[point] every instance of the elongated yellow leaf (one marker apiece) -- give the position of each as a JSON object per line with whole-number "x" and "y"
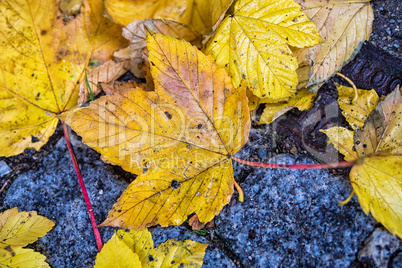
{"x": 377, "y": 181}
{"x": 382, "y": 131}
{"x": 253, "y": 44}
{"x": 18, "y": 257}
{"x": 173, "y": 253}
{"x": 140, "y": 242}
{"x": 23, "y": 228}
{"x": 179, "y": 138}
{"x": 356, "y": 114}
{"x": 344, "y": 26}
{"x": 201, "y": 15}
{"x": 342, "y": 139}
{"x": 41, "y": 65}
{"x": 115, "y": 253}
{"x": 303, "y": 100}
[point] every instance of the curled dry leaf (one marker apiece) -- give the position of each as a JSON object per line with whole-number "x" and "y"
{"x": 356, "y": 114}
{"x": 105, "y": 73}
{"x": 179, "y": 138}
{"x": 42, "y": 64}
{"x": 253, "y": 44}
{"x": 344, "y": 26}
{"x": 303, "y": 100}
{"x": 110, "y": 88}
{"x": 137, "y": 31}
{"x": 201, "y": 15}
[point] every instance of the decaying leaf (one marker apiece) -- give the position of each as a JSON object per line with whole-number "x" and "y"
{"x": 303, "y": 100}
{"x": 201, "y": 15}
{"x": 17, "y": 230}
{"x": 138, "y": 245}
{"x": 377, "y": 181}
{"x": 136, "y": 32}
{"x": 342, "y": 139}
{"x": 179, "y": 138}
{"x": 42, "y": 64}
{"x": 253, "y": 44}
{"x": 356, "y": 114}
{"x": 105, "y": 73}
{"x": 110, "y": 88}
{"x": 344, "y": 26}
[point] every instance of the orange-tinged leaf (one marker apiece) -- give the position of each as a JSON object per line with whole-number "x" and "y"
{"x": 23, "y": 228}
{"x": 42, "y": 63}
{"x": 115, "y": 253}
{"x": 136, "y": 32}
{"x": 342, "y": 139}
{"x": 18, "y": 257}
{"x": 253, "y": 44}
{"x": 377, "y": 181}
{"x": 201, "y": 15}
{"x": 344, "y": 26}
{"x": 303, "y": 100}
{"x": 179, "y": 138}
{"x": 357, "y": 113}
{"x": 382, "y": 131}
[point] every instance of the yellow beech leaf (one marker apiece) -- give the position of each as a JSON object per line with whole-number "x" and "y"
{"x": 173, "y": 253}
{"x": 136, "y": 32}
{"x": 42, "y": 63}
{"x": 201, "y": 15}
{"x": 344, "y": 26}
{"x": 356, "y": 114}
{"x": 382, "y": 131}
{"x": 115, "y": 253}
{"x": 303, "y": 100}
{"x": 342, "y": 140}
{"x": 23, "y": 228}
{"x": 179, "y": 138}
{"x": 377, "y": 181}
{"x": 253, "y": 44}
{"x": 140, "y": 242}
{"x": 21, "y": 258}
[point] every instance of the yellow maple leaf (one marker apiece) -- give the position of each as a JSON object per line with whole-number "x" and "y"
{"x": 172, "y": 253}
{"x": 344, "y": 26}
{"x": 42, "y": 63}
{"x": 179, "y": 138}
{"x": 356, "y": 113}
{"x": 201, "y": 15}
{"x": 17, "y": 230}
{"x": 303, "y": 100}
{"x": 253, "y": 44}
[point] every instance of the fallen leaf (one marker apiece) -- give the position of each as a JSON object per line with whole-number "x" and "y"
{"x": 382, "y": 131}
{"x": 21, "y": 258}
{"x": 140, "y": 242}
{"x": 303, "y": 100}
{"x": 136, "y": 32}
{"x": 201, "y": 15}
{"x": 23, "y": 228}
{"x": 70, "y": 7}
{"x": 115, "y": 253}
{"x": 342, "y": 140}
{"x": 253, "y": 44}
{"x": 42, "y": 64}
{"x": 377, "y": 181}
{"x": 110, "y": 88}
{"x": 179, "y": 138}
{"x": 356, "y": 114}
{"x": 344, "y": 26}
{"x": 195, "y": 223}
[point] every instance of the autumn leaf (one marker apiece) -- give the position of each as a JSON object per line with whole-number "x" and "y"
{"x": 179, "y": 139}
{"x": 133, "y": 244}
{"x": 342, "y": 140}
{"x": 42, "y": 63}
{"x": 136, "y": 32}
{"x": 377, "y": 176}
{"x": 201, "y": 15}
{"x": 356, "y": 113}
{"x": 303, "y": 100}
{"x": 253, "y": 44}
{"x": 17, "y": 230}
{"x": 344, "y": 26}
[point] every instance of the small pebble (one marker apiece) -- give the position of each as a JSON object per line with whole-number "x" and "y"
{"x": 4, "y": 169}
{"x": 100, "y": 192}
